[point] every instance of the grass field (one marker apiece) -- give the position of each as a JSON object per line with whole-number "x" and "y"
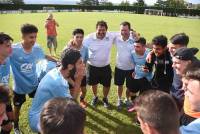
{"x": 100, "y": 120}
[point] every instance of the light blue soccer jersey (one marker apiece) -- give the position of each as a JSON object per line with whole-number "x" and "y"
{"x": 24, "y": 68}
{"x": 192, "y": 128}
{"x": 52, "y": 85}
{"x": 139, "y": 62}
{"x": 43, "y": 67}
{"x": 5, "y": 72}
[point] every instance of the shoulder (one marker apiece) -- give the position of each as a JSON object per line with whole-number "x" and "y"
{"x": 37, "y": 46}
{"x": 192, "y": 128}
{"x": 17, "y": 45}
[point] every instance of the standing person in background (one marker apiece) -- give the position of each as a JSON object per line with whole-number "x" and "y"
{"x": 26, "y": 54}
{"x": 161, "y": 59}
{"x": 51, "y": 25}
{"x": 76, "y": 43}
{"x": 124, "y": 65}
{"x": 141, "y": 80}
{"x": 98, "y": 45}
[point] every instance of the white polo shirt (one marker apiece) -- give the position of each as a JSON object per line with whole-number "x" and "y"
{"x": 99, "y": 49}
{"x": 124, "y": 48}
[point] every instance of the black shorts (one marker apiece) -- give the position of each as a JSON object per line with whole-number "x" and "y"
{"x": 83, "y": 83}
{"x": 102, "y": 75}
{"x": 139, "y": 85}
{"x": 122, "y": 75}
{"x": 19, "y": 99}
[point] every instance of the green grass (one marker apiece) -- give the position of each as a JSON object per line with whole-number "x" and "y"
{"x": 100, "y": 120}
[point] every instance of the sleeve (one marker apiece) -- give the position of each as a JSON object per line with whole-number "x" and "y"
{"x": 84, "y": 53}
{"x": 62, "y": 93}
{"x": 132, "y": 57}
{"x": 150, "y": 65}
{"x": 40, "y": 53}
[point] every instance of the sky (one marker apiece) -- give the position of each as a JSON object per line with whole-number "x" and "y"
{"x": 148, "y": 2}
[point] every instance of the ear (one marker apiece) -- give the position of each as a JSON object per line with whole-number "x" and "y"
{"x": 146, "y": 128}
{"x": 149, "y": 129}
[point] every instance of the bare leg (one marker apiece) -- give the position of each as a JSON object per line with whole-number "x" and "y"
{"x": 94, "y": 89}
{"x": 106, "y": 91}
{"x": 120, "y": 91}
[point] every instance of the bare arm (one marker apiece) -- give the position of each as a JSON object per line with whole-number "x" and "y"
{"x": 80, "y": 73}
{"x": 50, "y": 58}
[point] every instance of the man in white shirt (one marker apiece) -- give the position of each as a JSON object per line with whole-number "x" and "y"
{"x": 124, "y": 65}
{"x": 98, "y": 47}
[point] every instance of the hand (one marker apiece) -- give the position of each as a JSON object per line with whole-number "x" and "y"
{"x": 80, "y": 72}
{"x": 148, "y": 58}
{"x": 145, "y": 69}
{"x": 133, "y": 75}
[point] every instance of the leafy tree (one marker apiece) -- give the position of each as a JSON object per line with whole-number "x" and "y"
{"x": 140, "y": 3}
{"x": 124, "y": 3}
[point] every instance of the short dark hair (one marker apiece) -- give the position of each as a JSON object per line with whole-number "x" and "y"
{"x": 28, "y": 28}
{"x": 158, "y": 109}
{"x": 102, "y": 24}
{"x": 141, "y": 40}
{"x": 126, "y": 23}
{"x": 193, "y": 71}
{"x": 4, "y": 94}
{"x": 180, "y": 39}
{"x": 69, "y": 56}
{"x": 4, "y": 37}
{"x": 78, "y": 31}
{"x": 160, "y": 40}
{"x": 62, "y": 116}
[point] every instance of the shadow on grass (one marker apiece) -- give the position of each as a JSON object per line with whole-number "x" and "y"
{"x": 112, "y": 107}
{"x": 119, "y": 127}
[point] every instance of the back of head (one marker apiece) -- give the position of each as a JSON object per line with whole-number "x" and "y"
{"x": 69, "y": 56}
{"x": 4, "y": 94}
{"x": 28, "y": 29}
{"x": 160, "y": 40}
{"x": 62, "y": 116}
{"x": 180, "y": 39}
{"x": 4, "y": 37}
{"x": 158, "y": 110}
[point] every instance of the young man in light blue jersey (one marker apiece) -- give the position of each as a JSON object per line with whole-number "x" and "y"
{"x": 55, "y": 84}
{"x": 23, "y": 61}
{"x": 5, "y": 52}
{"x": 43, "y": 67}
{"x": 141, "y": 79}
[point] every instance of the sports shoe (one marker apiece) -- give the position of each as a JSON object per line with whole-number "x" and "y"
{"x": 94, "y": 101}
{"x": 105, "y": 102}
{"x": 119, "y": 104}
{"x": 17, "y": 131}
{"x": 128, "y": 103}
